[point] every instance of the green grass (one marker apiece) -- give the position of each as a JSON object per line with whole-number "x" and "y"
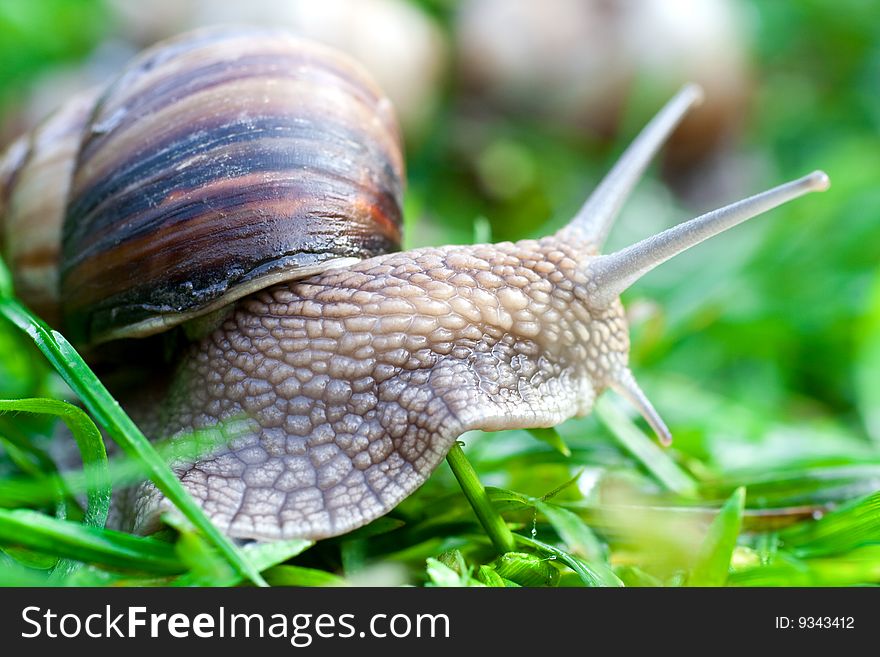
{"x": 568, "y": 535}
{"x": 761, "y": 350}
{"x": 107, "y": 411}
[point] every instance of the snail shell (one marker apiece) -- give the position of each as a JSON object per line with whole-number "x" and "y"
{"x": 32, "y": 210}
{"x": 217, "y": 164}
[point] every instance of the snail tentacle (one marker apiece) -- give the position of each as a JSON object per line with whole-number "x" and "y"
{"x": 614, "y": 273}
{"x": 594, "y": 220}
{"x": 625, "y": 385}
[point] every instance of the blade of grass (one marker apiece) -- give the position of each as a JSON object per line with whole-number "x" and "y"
{"x": 123, "y": 471}
{"x": 502, "y": 496}
{"x": 636, "y": 577}
{"x": 299, "y": 576}
{"x": 12, "y": 433}
{"x": 644, "y": 449}
{"x": 492, "y": 522}
{"x": 713, "y": 560}
{"x": 527, "y": 569}
{"x": 852, "y": 525}
{"x": 783, "y": 570}
{"x": 858, "y": 567}
{"x": 31, "y": 559}
{"x": 809, "y": 482}
{"x": 204, "y": 565}
{"x": 552, "y": 438}
{"x": 91, "y": 448}
{"x": 490, "y": 577}
{"x": 6, "y": 291}
{"x": 12, "y": 574}
{"x": 563, "y": 486}
{"x": 577, "y": 536}
{"x": 591, "y": 574}
{"x": 267, "y": 555}
{"x": 263, "y": 556}
{"x": 441, "y": 575}
{"x": 121, "y": 428}
{"x": 36, "y": 531}
{"x": 867, "y": 364}
{"x": 44, "y": 481}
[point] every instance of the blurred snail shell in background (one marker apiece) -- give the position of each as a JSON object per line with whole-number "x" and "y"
{"x": 398, "y": 43}
{"x": 578, "y": 61}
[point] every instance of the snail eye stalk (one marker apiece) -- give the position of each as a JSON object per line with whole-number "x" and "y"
{"x": 615, "y": 272}
{"x": 594, "y": 220}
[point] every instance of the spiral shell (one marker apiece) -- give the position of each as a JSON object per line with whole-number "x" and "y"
{"x": 219, "y": 163}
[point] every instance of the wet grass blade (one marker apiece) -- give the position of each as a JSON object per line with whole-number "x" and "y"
{"x": 525, "y": 569}
{"x": 25, "y": 528}
{"x": 490, "y": 577}
{"x": 591, "y": 574}
{"x": 122, "y": 429}
{"x": 713, "y": 559}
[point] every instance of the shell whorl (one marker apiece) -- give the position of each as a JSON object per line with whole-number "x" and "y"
{"x": 216, "y": 164}
{"x": 35, "y": 178}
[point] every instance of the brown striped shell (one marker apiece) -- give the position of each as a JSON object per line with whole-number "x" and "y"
{"x": 217, "y": 164}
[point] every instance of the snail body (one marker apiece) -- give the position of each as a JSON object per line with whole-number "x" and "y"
{"x": 354, "y": 367}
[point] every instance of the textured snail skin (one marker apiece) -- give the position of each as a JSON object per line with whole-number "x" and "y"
{"x": 358, "y": 380}
{"x": 355, "y": 382}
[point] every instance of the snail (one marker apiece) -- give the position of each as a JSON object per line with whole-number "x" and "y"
{"x": 246, "y": 185}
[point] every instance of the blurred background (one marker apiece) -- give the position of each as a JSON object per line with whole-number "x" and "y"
{"x": 761, "y": 348}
